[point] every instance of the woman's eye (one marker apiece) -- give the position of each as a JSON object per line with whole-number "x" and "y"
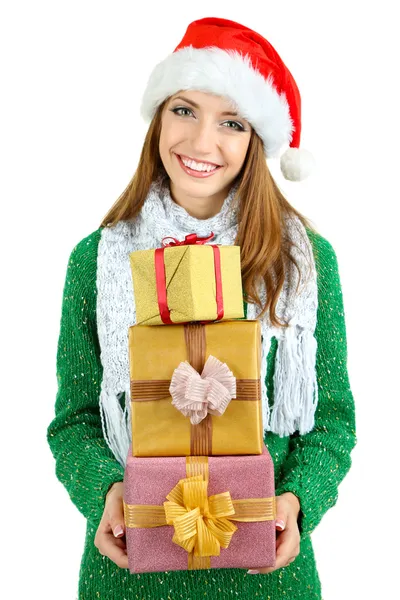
{"x": 175, "y": 110}
{"x": 238, "y": 127}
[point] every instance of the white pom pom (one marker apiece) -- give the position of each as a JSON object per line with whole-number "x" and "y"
{"x": 297, "y": 164}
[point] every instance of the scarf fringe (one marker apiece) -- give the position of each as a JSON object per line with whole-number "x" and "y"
{"x": 116, "y": 423}
{"x": 295, "y": 384}
{"x": 266, "y": 345}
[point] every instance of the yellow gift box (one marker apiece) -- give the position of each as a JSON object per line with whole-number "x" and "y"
{"x": 158, "y": 427}
{"x": 192, "y": 283}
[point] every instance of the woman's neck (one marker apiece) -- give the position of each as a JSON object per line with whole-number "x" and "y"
{"x": 201, "y": 207}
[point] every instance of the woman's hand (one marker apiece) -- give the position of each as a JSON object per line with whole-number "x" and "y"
{"x": 112, "y": 527}
{"x": 288, "y": 539}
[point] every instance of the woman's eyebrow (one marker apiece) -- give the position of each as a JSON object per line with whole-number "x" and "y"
{"x": 233, "y": 114}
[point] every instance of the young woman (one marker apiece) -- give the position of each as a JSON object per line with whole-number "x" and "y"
{"x": 219, "y": 105}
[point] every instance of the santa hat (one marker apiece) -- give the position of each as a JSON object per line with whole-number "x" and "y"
{"x": 228, "y": 59}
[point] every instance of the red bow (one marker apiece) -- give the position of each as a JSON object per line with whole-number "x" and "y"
{"x": 190, "y": 240}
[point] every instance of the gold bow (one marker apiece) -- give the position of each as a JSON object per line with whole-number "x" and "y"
{"x": 199, "y": 521}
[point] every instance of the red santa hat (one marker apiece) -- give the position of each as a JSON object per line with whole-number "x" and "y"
{"x": 228, "y": 59}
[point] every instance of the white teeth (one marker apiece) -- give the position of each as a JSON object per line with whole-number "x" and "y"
{"x": 197, "y": 166}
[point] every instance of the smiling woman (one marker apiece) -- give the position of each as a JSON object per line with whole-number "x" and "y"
{"x": 218, "y": 106}
{"x": 194, "y": 140}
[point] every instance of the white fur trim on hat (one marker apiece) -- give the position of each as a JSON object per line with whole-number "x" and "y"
{"x": 224, "y": 73}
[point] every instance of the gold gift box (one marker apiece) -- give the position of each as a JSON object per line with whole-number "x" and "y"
{"x": 158, "y": 427}
{"x": 190, "y": 283}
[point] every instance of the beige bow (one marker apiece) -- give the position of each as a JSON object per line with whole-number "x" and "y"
{"x": 195, "y": 395}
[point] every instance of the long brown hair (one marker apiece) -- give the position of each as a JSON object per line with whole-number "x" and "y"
{"x": 264, "y": 248}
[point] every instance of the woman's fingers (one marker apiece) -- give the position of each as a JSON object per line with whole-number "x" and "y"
{"x": 109, "y": 538}
{"x": 114, "y": 509}
{"x": 288, "y": 540}
{"x": 115, "y": 549}
{"x": 112, "y": 547}
{"x": 287, "y": 548}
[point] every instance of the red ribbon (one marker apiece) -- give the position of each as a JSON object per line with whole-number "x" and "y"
{"x": 190, "y": 240}
{"x": 161, "y": 285}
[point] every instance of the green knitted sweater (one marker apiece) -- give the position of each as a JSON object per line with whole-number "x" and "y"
{"x": 311, "y": 465}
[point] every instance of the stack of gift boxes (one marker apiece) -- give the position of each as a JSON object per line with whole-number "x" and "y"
{"x": 199, "y": 482}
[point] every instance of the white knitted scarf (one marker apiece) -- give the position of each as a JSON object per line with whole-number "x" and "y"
{"x": 294, "y": 380}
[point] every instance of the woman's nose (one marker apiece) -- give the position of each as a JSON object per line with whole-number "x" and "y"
{"x": 204, "y": 138}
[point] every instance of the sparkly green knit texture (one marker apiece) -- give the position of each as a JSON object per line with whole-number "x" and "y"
{"x": 311, "y": 465}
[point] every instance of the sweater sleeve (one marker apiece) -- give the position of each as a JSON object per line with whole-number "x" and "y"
{"x": 319, "y": 460}
{"x": 83, "y": 462}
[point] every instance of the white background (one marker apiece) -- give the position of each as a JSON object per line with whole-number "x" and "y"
{"x": 72, "y": 76}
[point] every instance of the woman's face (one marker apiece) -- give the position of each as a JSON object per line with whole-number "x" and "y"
{"x": 194, "y": 126}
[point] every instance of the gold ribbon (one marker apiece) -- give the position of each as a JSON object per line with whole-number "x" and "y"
{"x": 202, "y": 524}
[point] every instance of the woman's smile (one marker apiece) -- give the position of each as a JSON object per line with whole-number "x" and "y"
{"x": 200, "y": 171}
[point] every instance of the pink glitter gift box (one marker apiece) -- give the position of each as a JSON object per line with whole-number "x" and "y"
{"x": 244, "y": 513}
